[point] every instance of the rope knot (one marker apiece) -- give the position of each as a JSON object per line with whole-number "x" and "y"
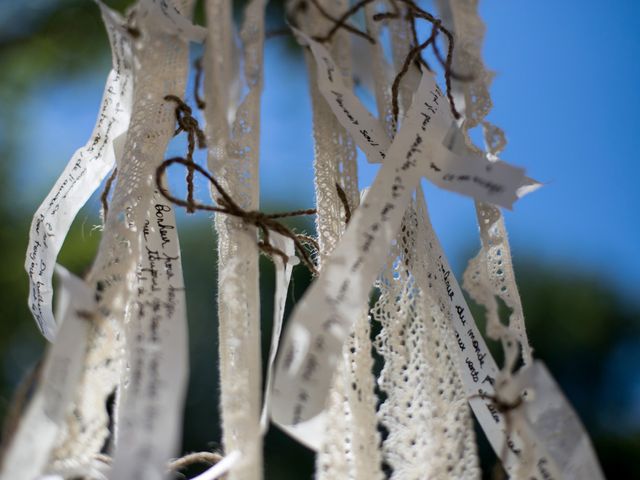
{"x": 225, "y": 204}
{"x": 187, "y": 123}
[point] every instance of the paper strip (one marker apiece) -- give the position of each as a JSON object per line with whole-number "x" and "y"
{"x": 283, "y": 278}
{"x": 311, "y": 433}
{"x": 324, "y": 317}
{"x": 352, "y": 115}
{"x": 490, "y": 274}
{"x": 80, "y": 178}
{"x": 478, "y": 370}
{"x": 556, "y": 423}
{"x": 151, "y": 409}
{"x": 469, "y": 174}
{"x": 38, "y": 430}
{"x": 162, "y": 60}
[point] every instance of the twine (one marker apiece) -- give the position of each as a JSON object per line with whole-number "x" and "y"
{"x": 345, "y": 203}
{"x": 104, "y": 197}
{"x": 264, "y": 222}
{"x": 504, "y": 407}
{"x": 411, "y": 56}
{"x": 342, "y": 23}
{"x": 187, "y": 123}
{"x": 413, "y": 13}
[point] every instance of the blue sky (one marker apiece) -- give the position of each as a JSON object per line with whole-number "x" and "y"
{"x": 566, "y": 93}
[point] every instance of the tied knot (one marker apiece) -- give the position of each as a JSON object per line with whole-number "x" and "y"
{"x": 264, "y": 222}
{"x": 186, "y": 121}
{"x": 195, "y": 136}
{"x": 255, "y": 217}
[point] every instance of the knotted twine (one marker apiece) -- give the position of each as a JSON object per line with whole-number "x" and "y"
{"x": 265, "y": 222}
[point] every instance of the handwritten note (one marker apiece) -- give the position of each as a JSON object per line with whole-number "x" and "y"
{"x": 40, "y": 426}
{"x": 323, "y": 318}
{"x": 476, "y": 366}
{"x": 80, "y": 178}
{"x": 363, "y": 127}
{"x": 150, "y": 417}
{"x": 468, "y": 173}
